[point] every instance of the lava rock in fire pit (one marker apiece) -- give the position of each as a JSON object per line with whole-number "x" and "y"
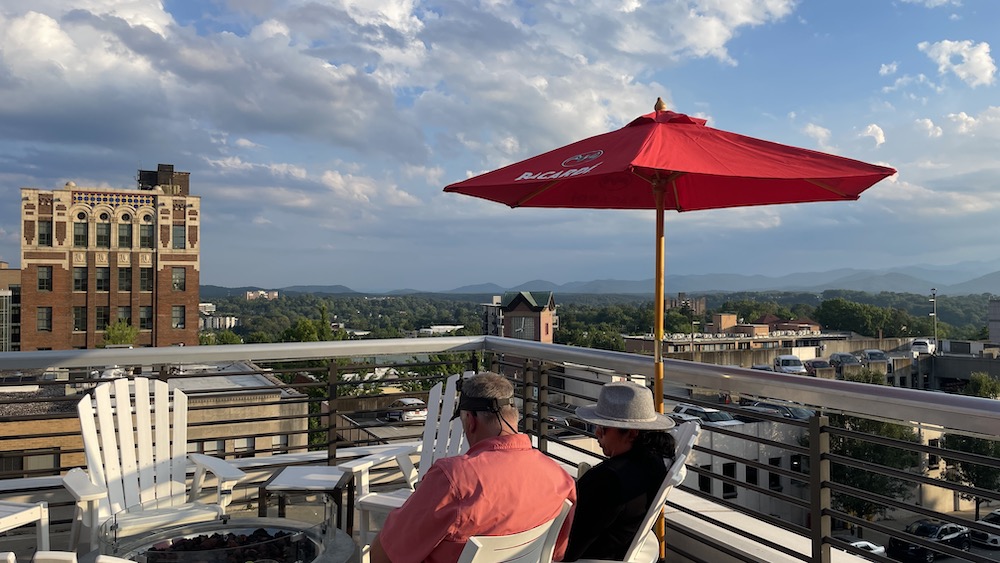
{"x": 260, "y": 545}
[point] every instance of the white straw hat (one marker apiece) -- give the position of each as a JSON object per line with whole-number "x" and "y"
{"x": 625, "y": 405}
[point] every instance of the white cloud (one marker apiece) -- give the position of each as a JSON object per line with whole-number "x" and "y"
{"x": 873, "y": 131}
{"x": 987, "y": 123}
{"x": 969, "y": 61}
{"x": 261, "y": 220}
{"x": 246, "y": 144}
{"x": 820, "y": 134}
{"x": 887, "y": 69}
{"x": 935, "y": 3}
{"x": 926, "y": 125}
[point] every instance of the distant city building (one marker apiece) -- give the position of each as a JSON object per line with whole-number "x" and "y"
{"x": 10, "y": 308}
{"x": 529, "y": 315}
{"x": 993, "y": 320}
{"x": 697, "y": 305}
{"x": 261, "y": 294}
{"x": 93, "y": 256}
{"x": 211, "y": 322}
{"x": 206, "y": 308}
{"x": 435, "y": 330}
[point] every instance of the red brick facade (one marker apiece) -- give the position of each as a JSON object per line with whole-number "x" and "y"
{"x": 123, "y": 213}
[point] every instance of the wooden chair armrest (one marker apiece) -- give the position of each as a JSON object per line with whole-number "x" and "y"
{"x": 78, "y": 483}
{"x": 221, "y": 468}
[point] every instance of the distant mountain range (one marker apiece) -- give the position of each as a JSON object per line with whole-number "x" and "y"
{"x": 967, "y": 278}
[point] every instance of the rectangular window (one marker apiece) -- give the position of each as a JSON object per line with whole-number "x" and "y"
{"x": 103, "y": 279}
{"x": 177, "y": 314}
{"x": 125, "y": 314}
{"x": 44, "y": 319}
{"x": 751, "y": 475}
{"x": 178, "y": 279}
{"x": 146, "y": 236}
{"x": 145, "y": 279}
{"x": 729, "y": 489}
{"x": 124, "y": 279}
{"x": 145, "y": 318}
{"x": 933, "y": 461}
{"x": 45, "y": 232}
{"x": 705, "y": 481}
{"x": 125, "y": 235}
{"x": 774, "y": 479}
{"x": 80, "y": 235}
{"x": 45, "y": 278}
{"x": 177, "y": 237}
{"x": 29, "y": 463}
{"x": 104, "y": 235}
{"x": 103, "y": 317}
{"x": 80, "y": 319}
{"x": 80, "y": 278}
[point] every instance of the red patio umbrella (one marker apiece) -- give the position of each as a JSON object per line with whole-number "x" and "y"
{"x": 666, "y": 160}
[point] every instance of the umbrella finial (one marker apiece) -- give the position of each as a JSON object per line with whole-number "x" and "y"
{"x": 660, "y": 105}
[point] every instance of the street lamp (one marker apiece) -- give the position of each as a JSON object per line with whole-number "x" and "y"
{"x": 934, "y": 314}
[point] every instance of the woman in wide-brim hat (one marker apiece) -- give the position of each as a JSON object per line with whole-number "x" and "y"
{"x": 613, "y": 497}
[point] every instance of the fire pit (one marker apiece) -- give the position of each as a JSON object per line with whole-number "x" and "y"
{"x": 240, "y": 540}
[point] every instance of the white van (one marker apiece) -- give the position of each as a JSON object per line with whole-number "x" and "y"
{"x": 922, "y": 346}
{"x": 788, "y": 363}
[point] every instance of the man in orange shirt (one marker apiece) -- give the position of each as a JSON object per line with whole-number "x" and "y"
{"x": 501, "y": 486}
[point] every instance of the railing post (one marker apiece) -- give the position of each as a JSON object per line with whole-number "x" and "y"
{"x": 530, "y": 420}
{"x": 333, "y": 376}
{"x": 819, "y": 493}
{"x": 474, "y": 363}
{"x": 543, "y": 408}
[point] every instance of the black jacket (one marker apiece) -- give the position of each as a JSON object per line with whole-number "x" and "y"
{"x": 612, "y": 499}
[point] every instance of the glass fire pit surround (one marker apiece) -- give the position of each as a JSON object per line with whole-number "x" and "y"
{"x": 238, "y": 540}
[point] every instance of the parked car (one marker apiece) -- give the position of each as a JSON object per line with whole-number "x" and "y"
{"x": 922, "y": 346}
{"x": 878, "y": 356}
{"x": 789, "y": 363}
{"x": 748, "y": 413}
{"x": 840, "y": 359}
{"x": 407, "y": 409}
{"x": 762, "y": 367}
{"x": 935, "y": 531}
{"x": 815, "y": 364}
{"x": 990, "y": 539}
{"x": 866, "y": 545}
{"x": 788, "y": 411}
{"x": 708, "y": 416}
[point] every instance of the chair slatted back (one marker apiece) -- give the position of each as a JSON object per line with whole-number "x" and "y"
{"x": 443, "y": 437}
{"x": 135, "y": 442}
{"x": 685, "y": 436}
{"x": 532, "y": 546}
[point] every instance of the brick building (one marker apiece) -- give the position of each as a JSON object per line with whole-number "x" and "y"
{"x": 92, "y": 256}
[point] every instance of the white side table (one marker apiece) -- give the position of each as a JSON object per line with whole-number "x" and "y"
{"x": 15, "y": 514}
{"x": 332, "y": 481}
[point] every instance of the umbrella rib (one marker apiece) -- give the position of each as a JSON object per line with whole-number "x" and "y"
{"x": 535, "y": 193}
{"x": 829, "y": 189}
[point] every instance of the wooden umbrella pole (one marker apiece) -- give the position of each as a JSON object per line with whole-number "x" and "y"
{"x": 658, "y": 337}
{"x": 658, "y": 303}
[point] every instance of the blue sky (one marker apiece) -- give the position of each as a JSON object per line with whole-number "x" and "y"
{"x": 320, "y": 134}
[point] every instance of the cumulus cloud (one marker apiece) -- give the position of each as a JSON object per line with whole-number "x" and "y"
{"x": 887, "y": 69}
{"x": 988, "y": 122}
{"x": 969, "y": 61}
{"x": 927, "y": 126}
{"x": 873, "y": 131}
{"x": 820, "y": 134}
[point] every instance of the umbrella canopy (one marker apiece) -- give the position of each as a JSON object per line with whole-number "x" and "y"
{"x": 667, "y": 160}
{"x": 700, "y": 167}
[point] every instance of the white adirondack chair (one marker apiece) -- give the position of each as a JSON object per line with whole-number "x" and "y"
{"x": 135, "y": 441}
{"x": 645, "y": 547}
{"x": 442, "y": 437}
{"x": 533, "y": 546}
